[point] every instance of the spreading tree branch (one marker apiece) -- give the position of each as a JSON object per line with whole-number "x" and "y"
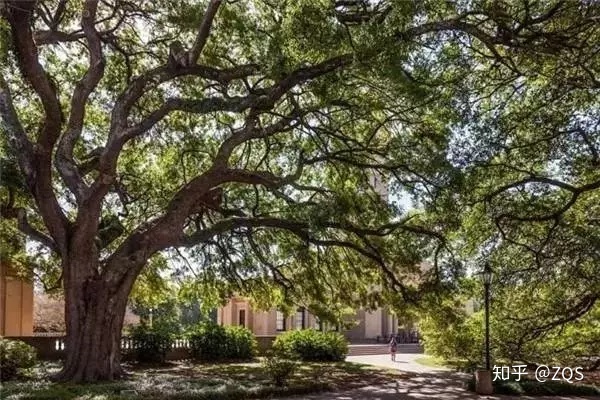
{"x": 64, "y": 157}
{"x": 204, "y": 30}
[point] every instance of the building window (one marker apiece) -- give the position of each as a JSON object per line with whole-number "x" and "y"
{"x": 301, "y": 318}
{"x": 280, "y": 323}
{"x": 242, "y": 318}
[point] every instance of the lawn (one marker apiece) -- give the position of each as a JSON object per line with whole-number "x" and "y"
{"x": 179, "y": 381}
{"x": 430, "y": 361}
{"x": 458, "y": 365}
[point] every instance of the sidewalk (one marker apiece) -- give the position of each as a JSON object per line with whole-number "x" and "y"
{"x": 422, "y": 382}
{"x": 404, "y": 362}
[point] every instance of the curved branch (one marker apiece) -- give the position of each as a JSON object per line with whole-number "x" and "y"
{"x": 19, "y": 14}
{"x": 17, "y": 137}
{"x": 142, "y": 84}
{"x": 33, "y": 233}
{"x": 64, "y": 156}
{"x": 37, "y": 168}
{"x": 24, "y": 226}
{"x": 299, "y": 229}
{"x": 193, "y": 106}
{"x": 575, "y": 190}
{"x": 532, "y": 179}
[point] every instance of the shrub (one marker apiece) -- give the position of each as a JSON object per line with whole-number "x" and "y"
{"x": 15, "y": 356}
{"x": 151, "y": 344}
{"x": 279, "y": 369}
{"x": 207, "y": 342}
{"x": 311, "y": 345}
{"x": 210, "y": 342}
{"x": 241, "y": 343}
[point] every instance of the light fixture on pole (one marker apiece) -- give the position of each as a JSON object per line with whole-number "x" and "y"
{"x": 483, "y": 377}
{"x": 487, "y": 277}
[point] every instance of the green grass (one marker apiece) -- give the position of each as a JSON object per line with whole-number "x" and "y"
{"x": 430, "y": 361}
{"x": 455, "y": 364}
{"x": 183, "y": 381}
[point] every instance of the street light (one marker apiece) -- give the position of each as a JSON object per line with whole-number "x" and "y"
{"x": 487, "y": 276}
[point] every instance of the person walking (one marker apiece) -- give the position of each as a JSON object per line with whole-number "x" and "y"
{"x": 393, "y": 347}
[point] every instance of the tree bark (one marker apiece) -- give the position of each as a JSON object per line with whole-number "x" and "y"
{"x": 94, "y": 313}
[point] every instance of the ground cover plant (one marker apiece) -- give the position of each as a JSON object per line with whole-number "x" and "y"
{"x": 279, "y": 369}
{"x": 15, "y": 358}
{"x": 204, "y": 381}
{"x": 530, "y": 387}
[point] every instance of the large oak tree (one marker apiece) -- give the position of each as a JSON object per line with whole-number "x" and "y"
{"x": 249, "y": 132}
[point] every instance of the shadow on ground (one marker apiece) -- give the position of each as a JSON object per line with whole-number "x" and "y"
{"x": 442, "y": 385}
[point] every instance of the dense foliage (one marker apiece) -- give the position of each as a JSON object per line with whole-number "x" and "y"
{"x": 524, "y": 156}
{"x": 151, "y": 343}
{"x": 454, "y": 337}
{"x": 210, "y": 342}
{"x": 15, "y": 356}
{"x": 451, "y": 333}
{"x": 311, "y": 345}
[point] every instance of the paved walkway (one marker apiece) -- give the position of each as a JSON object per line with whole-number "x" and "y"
{"x": 421, "y": 382}
{"x": 404, "y": 362}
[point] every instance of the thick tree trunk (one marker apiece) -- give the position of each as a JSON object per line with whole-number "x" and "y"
{"x": 94, "y": 312}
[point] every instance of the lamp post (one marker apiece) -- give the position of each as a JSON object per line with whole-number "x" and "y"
{"x": 487, "y": 276}
{"x": 483, "y": 378}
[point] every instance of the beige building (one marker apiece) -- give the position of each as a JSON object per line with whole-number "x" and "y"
{"x": 16, "y": 304}
{"x": 367, "y": 325}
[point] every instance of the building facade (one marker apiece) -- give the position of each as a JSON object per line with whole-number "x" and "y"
{"x": 16, "y": 304}
{"x": 368, "y": 325}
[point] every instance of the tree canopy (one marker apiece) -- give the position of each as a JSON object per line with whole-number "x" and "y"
{"x": 526, "y": 150}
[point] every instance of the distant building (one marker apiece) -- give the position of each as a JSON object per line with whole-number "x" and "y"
{"x": 368, "y": 325}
